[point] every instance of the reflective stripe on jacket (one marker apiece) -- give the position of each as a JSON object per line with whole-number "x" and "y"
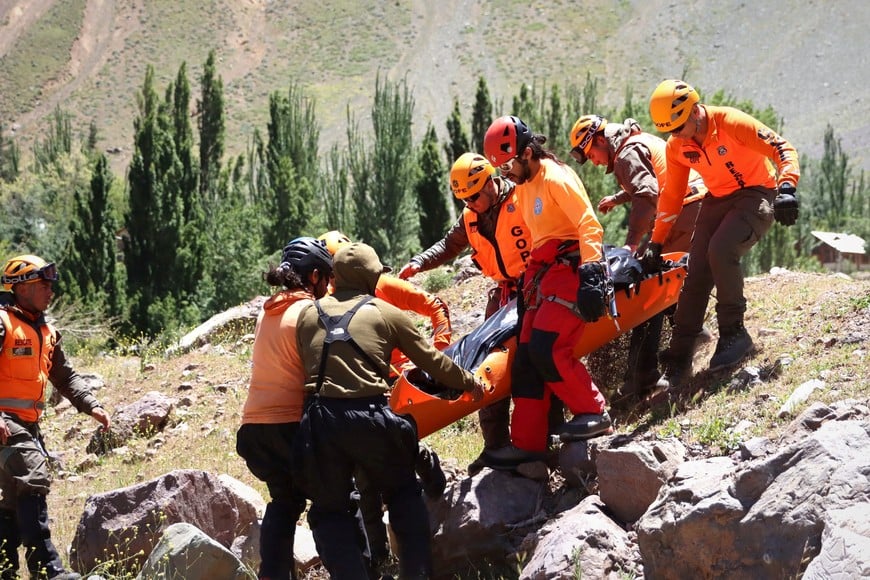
{"x": 504, "y": 260}
{"x": 24, "y": 364}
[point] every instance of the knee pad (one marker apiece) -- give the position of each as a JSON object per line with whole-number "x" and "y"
{"x": 541, "y": 354}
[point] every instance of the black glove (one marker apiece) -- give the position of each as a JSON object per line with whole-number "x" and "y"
{"x": 786, "y": 204}
{"x": 651, "y": 261}
{"x": 592, "y": 292}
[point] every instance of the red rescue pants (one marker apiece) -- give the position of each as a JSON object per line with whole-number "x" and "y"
{"x": 544, "y": 363}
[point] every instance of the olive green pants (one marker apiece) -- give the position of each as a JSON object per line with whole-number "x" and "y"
{"x": 726, "y": 229}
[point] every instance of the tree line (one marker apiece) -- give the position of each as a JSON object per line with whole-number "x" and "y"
{"x": 188, "y": 231}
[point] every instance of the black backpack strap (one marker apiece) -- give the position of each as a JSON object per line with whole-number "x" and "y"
{"x": 337, "y": 331}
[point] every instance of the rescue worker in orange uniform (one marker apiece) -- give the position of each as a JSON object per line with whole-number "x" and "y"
{"x": 273, "y": 409}
{"x": 31, "y": 356}
{"x": 564, "y": 287}
{"x": 492, "y": 225}
{"x": 637, "y": 161}
{"x": 752, "y": 174}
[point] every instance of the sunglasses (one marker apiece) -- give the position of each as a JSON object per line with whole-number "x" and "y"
{"x": 678, "y": 129}
{"x": 472, "y": 198}
{"x": 578, "y": 155}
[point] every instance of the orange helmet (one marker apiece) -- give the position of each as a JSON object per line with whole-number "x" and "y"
{"x": 334, "y": 240}
{"x": 469, "y": 174}
{"x": 27, "y": 268}
{"x": 671, "y": 104}
{"x": 506, "y": 138}
{"x": 583, "y": 131}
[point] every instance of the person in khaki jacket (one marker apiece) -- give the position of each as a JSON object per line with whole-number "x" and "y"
{"x": 346, "y": 340}
{"x": 752, "y": 174}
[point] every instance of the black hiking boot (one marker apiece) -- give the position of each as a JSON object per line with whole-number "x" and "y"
{"x": 678, "y": 370}
{"x": 431, "y": 475}
{"x": 734, "y": 345}
{"x": 510, "y": 457}
{"x": 586, "y": 426}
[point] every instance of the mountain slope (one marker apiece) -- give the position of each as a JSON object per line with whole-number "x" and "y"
{"x": 807, "y": 59}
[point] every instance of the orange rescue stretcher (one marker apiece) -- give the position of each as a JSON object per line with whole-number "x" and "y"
{"x": 488, "y": 350}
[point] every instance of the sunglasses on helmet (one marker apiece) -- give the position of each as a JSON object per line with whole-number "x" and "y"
{"x": 47, "y": 272}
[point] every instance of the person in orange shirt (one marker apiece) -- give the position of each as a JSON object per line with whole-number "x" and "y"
{"x": 564, "y": 287}
{"x": 273, "y": 409}
{"x": 752, "y": 174}
{"x": 637, "y": 161}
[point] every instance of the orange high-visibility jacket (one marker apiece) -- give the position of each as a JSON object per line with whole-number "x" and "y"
{"x": 738, "y": 152}
{"x": 275, "y": 394}
{"x": 506, "y": 259}
{"x": 24, "y": 365}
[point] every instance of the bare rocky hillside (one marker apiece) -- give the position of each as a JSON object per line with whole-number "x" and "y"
{"x": 807, "y": 59}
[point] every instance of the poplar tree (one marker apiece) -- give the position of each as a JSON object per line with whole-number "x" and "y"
{"x": 430, "y": 188}
{"x": 457, "y": 144}
{"x": 164, "y": 247}
{"x": 90, "y": 270}
{"x": 383, "y": 194}
{"x": 292, "y": 165}
{"x": 481, "y": 116}
{"x": 457, "y": 137}
{"x": 211, "y": 125}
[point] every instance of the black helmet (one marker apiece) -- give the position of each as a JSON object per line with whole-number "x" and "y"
{"x": 307, "y": 254}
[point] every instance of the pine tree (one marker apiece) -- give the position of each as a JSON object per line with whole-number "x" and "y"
{"x": 430, "y": 189}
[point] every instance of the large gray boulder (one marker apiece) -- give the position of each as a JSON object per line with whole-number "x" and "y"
{"x": 631, "y": 475}
{"x": 471, "y": 523}
{"x": 125, "y": 524}
{"x": 765, "y": 518}
{"x": 582, "y": 542}
{"x": 144, "y": 418}
{"x": 184, "y": 551}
